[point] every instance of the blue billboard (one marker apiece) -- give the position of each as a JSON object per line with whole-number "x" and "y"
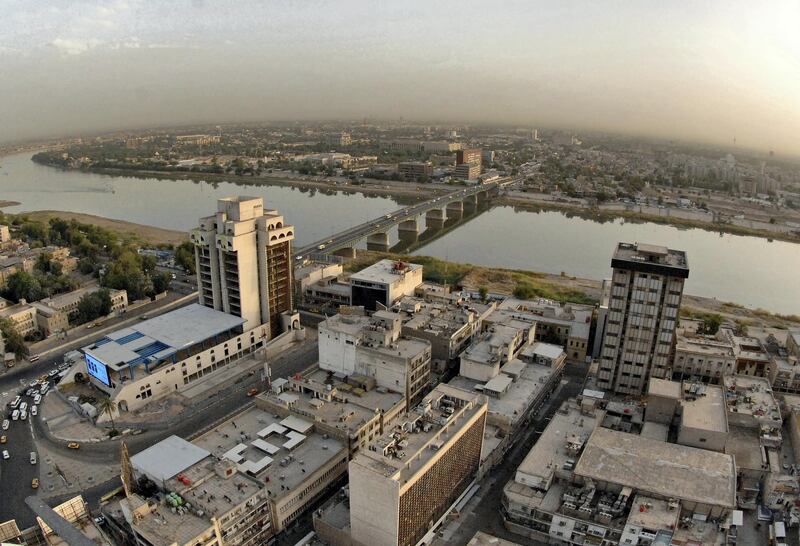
{"x": 97, "y": 369}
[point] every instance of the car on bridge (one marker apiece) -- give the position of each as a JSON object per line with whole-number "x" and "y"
{"x": 74, "y": 445}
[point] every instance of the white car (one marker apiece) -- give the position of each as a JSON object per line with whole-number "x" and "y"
{"x": 6, "y": 456}
{"x": 23, "y": 415}
{"x": 33, "y": 457}
{"x": 23, "y": 406}
{"x": 15, "y": 415}
{"x": 34, "y": 410}
{"x": 6, "y": 424}
{"x": 37, "y": 399}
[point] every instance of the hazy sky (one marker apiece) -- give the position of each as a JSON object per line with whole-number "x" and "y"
{"x": 707, "y": 70}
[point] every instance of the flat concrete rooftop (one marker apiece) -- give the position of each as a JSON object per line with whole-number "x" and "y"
{"x": 705, "y": 410}
{"x": 659, "y": 468}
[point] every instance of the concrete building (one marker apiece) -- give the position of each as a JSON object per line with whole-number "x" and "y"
{"x": 373, "y": 349}
{"x": 793, "y": 342}
{"x": 56, "y": 312}
{"x": 704, "y": 358}
{"x": 383, "y": 283}
{"x": 467, "y": 171}
{"x": 22, "y": 316}
{"x": 12, "y": 264}
{"x": 471, "y": 156}
{"x": 406, "y": 482}
{"x": 243, "y": 256}
{"x": 751, "y": 404}
{"x": 339, "y": 139}
{"x": 354, "y": 412}
{"x": 704, "y": 418}
{"x": 566, "y": 324}
{"x": 663, "y": 399}
{"x": 321, "y": 284}
{"x": 164, "y": 354}
{"x": 241, "y": 483}
{"x": 583, "y": 483}
{"x": 415, "y": 170}
{"x": 449, "y": 327}
{"x": 647, "y": 285}
{"x": 544, "y": 354}
{"x": 439, "y": 147}
{"x": 499, "y": 345}
{"x": 5, "y": 235}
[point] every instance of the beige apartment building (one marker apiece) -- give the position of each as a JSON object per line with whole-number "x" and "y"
{"x": 646, "y": 290}
{"x": 22, "y": 316}
{"x": 405, "y": 483}
{"x": 243, "y": 257}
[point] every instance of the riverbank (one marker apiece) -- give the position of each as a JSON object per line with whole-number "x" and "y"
{"x": 403, "y": 190}
{"x": 4, "y": 204}
{"x": 146, "y": 234}
{"x": 564, "y": 288}
{"x": 600, "y": 215}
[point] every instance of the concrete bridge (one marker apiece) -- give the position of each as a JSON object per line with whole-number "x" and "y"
{"x": 431, "y": 214}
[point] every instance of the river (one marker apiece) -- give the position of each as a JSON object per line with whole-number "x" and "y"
{"x": 747, "y": 270}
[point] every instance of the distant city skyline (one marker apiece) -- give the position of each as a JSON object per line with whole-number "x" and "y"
{"x": 708, "y": 73}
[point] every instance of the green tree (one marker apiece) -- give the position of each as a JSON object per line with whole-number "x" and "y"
{"x": 161, "y": 282}
{"x": 14, "y": 343}
{"x": 94, "y": 305}
{"x": 483, "y": 292}
{"x": 107, "y": 406}
{"x": 711, "y": 324}
{"x": 23, "y": 285}
{"x": 184, "y": 257}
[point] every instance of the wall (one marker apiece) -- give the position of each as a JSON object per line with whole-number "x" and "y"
{"x": 704, "y": 439}
{"x": 337, "y": 351}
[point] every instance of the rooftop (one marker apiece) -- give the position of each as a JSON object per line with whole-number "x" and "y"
{"x": 484, "y": 539}
{"x": 157, "y": 338}
{"x": 706, "y": 345}
{"x": 751, "y": 396}
{"x": 704, "y": 408}
{"x": 168, "y": 458}
{"x": 563, "y": 438}
{"x": 664, "y": 388}
{"x": 577, "y": 317}
{"x": 520, "y": 393}
{"x": 654, "y": 258}
{"x": 659, "y": 468}
{"x": 343, "y": 406}
{"x": 385, "y": 271}
{"x": 654, "y": 514}
{"x": 437, "y": 420}
{"x": 284, "y": 450}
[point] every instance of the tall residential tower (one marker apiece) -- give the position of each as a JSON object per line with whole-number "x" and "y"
{"x": 243, "y": 257}
{"x": 646, "y": 290}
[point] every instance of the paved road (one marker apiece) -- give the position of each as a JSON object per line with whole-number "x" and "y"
{"x": 485, "y": 516}
{"x": 16, "y": 474}
{"x": 353, "y": 235}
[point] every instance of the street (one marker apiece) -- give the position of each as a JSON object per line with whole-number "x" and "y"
{"x": 483, "y": 512}
{"x": 17, "y": 472}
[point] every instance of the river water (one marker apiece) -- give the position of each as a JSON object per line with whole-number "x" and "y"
{"x": 747, "y": 270}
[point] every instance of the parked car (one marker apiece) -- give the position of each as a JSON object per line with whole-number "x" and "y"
{"x": 23, "y": 415}
{"x": 15, "y": 415}
{"x": 37, "y": 398}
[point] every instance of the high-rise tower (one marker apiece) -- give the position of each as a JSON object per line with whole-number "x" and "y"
{"x": 243, "y": 257}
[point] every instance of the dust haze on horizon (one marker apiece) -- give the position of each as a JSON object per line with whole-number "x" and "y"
{"x": 707, "y": 71}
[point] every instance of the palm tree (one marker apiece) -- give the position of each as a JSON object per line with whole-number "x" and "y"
{"x": 108, "y": 406}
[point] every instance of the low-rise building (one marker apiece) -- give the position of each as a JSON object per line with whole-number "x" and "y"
{"x": 449, "y": 327}
{"x": 566, "y": 324}
{"x": 751, "y": 404}
{"x": 384, "y": 282}
{"x": 467, "y": 171}
{"x": 164, "y": 354}
{"x": 241, "y": 483}
{"x": 704, "y": 358}
{"x": 544, "y": 354}
{"x": 583, "y": 482}
{"x": 68, "y": 303}
{"x": 704, "y": 420}
{"x": 22, "y": 316}
{"x": 415, "y": 170}
{"x": 374, "y": 347}
{"x": 793, "y": 342}
{"x": 353, "y": 411}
